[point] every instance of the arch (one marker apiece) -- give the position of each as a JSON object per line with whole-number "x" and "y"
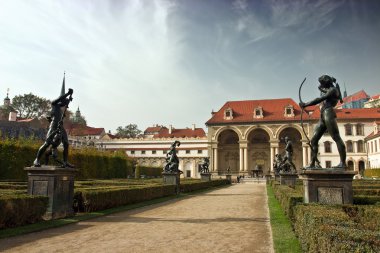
{"x": 222, "y": 129}
{"x": 187, "y": 169}
{"x": 350, "y": 164}
{"x": 361, "y": 166}
{"x": 258, "y": 144}
{"x": 253, "y": 128}
{"x": 349, "y": 146}
{"x": 228, "y": 152}
{"x": 283, "y": 127}
{"x": 155, "y": 164}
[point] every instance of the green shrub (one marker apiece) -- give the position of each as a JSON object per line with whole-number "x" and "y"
{"x": 15, "y": 155}
{"x": 287, "y": 197}
{"x": 372, "y": 172}
{"x": 324, "y": 228}
{"x": 151, "y": 171}
{"x": 366, "y": 200}
{"x": 93, "y": 200}
{"x": 21, "y": 209}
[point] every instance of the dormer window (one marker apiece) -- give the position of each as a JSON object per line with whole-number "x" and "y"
{"x": 228, "y": 114}
{"x": 289, "y": 111}
{"x": 258, "y": 112}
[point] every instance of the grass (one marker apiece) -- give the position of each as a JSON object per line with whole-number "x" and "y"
{"x": 86, "y": 216}
{"x": 284, "y": 239}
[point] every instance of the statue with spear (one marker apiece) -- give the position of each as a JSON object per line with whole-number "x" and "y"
{"x": 56, "y": 133}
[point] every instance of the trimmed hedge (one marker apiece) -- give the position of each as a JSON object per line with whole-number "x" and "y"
{"x": 372, "y": 173}
{"x": 150, "y": 171}
{"x": 287, "y": 197}
{"x": 338, "y": 228}
{"x": 90, "y": 199}
{"x": 16, "y": 155}
{"x": 17, "y": 210}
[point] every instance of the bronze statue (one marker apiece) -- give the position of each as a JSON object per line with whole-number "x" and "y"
{"x": 287, "y": 161}
{"x": 56, "y": 133}
{"x": 330, "y": 95}
{"x": 277, "y": 164}
{"x": 203, "y": 168}
{"x": 172, "y": 159}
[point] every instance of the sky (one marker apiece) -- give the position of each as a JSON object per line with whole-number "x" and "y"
{"x": 173, "y": 62}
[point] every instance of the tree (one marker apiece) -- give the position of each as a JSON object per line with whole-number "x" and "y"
{"x": 129, "y": 131}
{"x": 31, "y": 106}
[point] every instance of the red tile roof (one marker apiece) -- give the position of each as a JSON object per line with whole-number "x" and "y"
{"x": 180, "y": 133}
{"x": 273, "y": 110}
{"x": 354, "y": 97}
{"x": 375, "y": 97}
{"x": 154, "y": 129}
{"x": 84, "y": 130}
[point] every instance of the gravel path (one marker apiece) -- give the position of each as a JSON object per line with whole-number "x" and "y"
{"x": 230, "y": 219}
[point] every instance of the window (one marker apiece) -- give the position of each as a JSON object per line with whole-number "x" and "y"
{"x": 289, "y": 112}
{"x": 360, "y": 146}
{"x": 154, "y": 152}
{"x": 348, "y": 129}
{"x": 375, "y": 144}
{"x": 228, "y": 114}
{"x": 359, "y": 129}
{"x": 349, "y": 147}
{"x": 327, "y": 147}
{"x": 328, "y": 164}
{"x": 200, "y": 152}
{"x": 132, "y": 152}
{"x": 165, "y": 151}
{"x": 258, "y": 112}
{"x": 187, "y": 151}
{"x": 143, "y": 152}
{"x": 371, "y": 147}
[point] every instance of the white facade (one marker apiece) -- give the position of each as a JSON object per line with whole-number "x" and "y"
{"x": 373, "y": 147}
{"x": 355, "y": 138}
{"x": 152, "y": 151}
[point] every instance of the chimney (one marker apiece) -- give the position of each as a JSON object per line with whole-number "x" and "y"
{"x": 193, "y": 127}
{"x": 170, "y": 129}
{"x": 212, "y": 112}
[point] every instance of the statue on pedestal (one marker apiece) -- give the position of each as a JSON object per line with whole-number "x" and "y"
{"x": 287, "y": 162}
{"x": 172, "y": 161}
{"x": 204, "y": 166}
{"x": 56, "y": 133}
{"x": 330, "y": 95}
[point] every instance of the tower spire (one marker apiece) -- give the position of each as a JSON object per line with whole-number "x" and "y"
{"x": 345, "y": 90}
{"x": 63, "y": 90}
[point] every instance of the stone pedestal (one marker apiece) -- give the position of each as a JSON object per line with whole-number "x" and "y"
{"x": 56, "y": 183}
{"x": 328, "y": 186}
{"x": 288, "y": 179}
{"x": 206, "y": 177}
{"x": 268, "y": 177}
{"x": 229, "y": 178}
{"x": 172, "y": 179}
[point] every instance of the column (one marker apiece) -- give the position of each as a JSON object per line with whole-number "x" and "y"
{"x": 272, "y": 150}
{"x": 241, "y": 157}
{"x": 304, "y": 155}
{"x": 246, "y": 159}
{"x": 215, "y": 167}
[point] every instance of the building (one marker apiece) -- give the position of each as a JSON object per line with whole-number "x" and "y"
{"x": 244, "y": 136}
{"x": 7, "y": 112}
{"x": 151, "y": 147}
{"x": 354, "y": 101}
{"x": 373, "y": 102}
{"x": 81, "y": 135}
{"x": 373, "y": 146}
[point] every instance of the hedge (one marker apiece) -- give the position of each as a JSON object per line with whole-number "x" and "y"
{"x": 17, "y": 210}
{"x": 90, "y": 199}
{"x": 15, "y": 156}
{"x": 324, "y": 228}
{"x": 372, "y": 172}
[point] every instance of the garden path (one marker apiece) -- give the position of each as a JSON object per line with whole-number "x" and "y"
{"x": 229, "y": 219}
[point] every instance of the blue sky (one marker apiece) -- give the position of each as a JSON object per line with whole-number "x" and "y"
{"x": 172, "y": 62}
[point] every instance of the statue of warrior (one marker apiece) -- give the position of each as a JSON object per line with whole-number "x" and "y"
{"x": 330, "y": 95}
{"x": 56, "y": 133}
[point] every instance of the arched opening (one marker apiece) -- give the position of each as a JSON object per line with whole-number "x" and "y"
{"x": 258, "y": 152}
{"x": 187, "y": 169}
{"x": 361, "y": 167}
{"x": 228, "y": 152}
{"x": 350, "y": 165}
{"x": 295, "y": 137}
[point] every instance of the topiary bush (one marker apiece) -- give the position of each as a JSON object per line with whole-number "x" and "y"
{"x": 17, "y": 210}
{"x": 372, "y": 173}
